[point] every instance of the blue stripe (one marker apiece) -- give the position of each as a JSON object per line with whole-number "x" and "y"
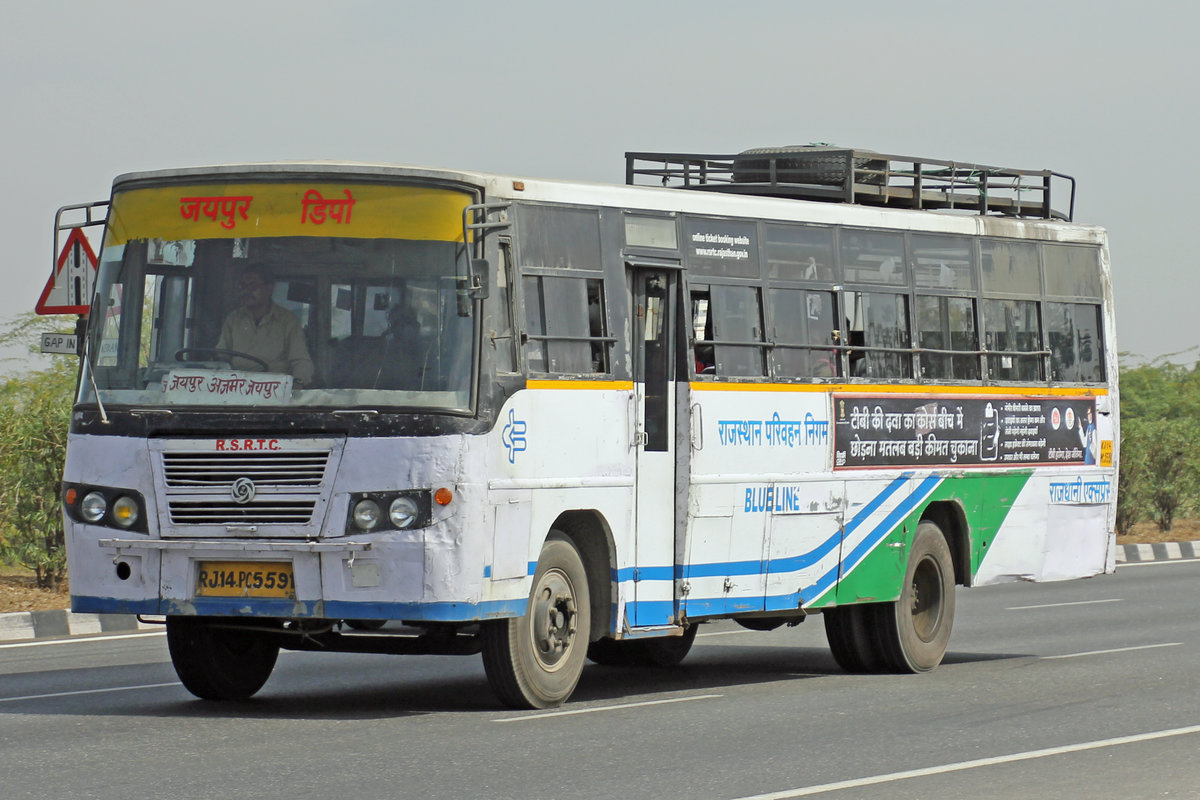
{"x": 866, "y": 511}
{"x": 426, "y": 612}
{"x": 647, "y": 574}
{"x": 86, "y": 604}
{"x": 795, "y": 563}
{"x": 826, "y": 581}
{"x": 720, "y": 606}
{"x": 330, "y": 609}
{"x": 890, "y": 522}
{"x": 722, "y": 569}
{"x": 651, "y": 612}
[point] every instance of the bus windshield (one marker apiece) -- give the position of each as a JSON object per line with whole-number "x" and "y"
{"x": 283, "y": 295}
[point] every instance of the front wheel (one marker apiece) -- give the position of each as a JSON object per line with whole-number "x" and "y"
{"x": 221, "y": 659}
{"x": 535, "y": 660}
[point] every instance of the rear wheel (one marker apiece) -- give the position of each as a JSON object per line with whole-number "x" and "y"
{"x": 535, "y": 660}
{"x": 913, "y": 637}
{"x": 851, "y": 634}
{"x": 221, "y": 659}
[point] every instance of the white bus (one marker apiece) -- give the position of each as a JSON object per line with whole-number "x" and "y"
{"x": 372, "y": 408}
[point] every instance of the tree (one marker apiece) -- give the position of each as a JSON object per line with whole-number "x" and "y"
{"x": 1131, "y": 503}
{"x": 35, "y": 409}
{"x": 1169, "y": 482}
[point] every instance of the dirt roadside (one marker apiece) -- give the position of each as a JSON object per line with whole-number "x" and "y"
{"x": 19, "y": 591}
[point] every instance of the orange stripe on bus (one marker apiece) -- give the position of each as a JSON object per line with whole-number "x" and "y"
{"x": 915, "y": 390}
{"x": 584, "y": 385}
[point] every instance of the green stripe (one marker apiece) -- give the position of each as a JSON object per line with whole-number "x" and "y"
{"x": 985, "y": 498}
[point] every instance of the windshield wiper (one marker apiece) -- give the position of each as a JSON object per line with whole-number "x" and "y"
{"x": 91, "y": 373}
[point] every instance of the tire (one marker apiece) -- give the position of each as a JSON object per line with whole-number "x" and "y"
{"x": 915, "y": 630}
{"x": 851, "y": 634}
{"x": 665, "y": 651}
{"x": 807, "y": 164}
{"x": 668, "y": 651}
{"x": 366, "y": 624}
{"x": 614, "y": 653}
{"x": 535, "y": 660}
{"x": 217, "y": 662}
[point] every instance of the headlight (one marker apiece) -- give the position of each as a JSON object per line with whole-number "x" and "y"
{"x": 366, "y": 515}
{"x": 93, "y": 507}
{"x": 125, "y": 511}
{"x": 403, "y": 512}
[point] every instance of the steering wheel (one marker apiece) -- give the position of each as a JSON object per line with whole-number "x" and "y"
{"x": 225, "y": 355}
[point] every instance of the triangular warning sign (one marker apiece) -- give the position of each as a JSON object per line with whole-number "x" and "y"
{"x": 69, "y": 290}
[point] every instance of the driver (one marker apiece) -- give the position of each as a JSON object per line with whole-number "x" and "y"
{"x": 263, "y": 329}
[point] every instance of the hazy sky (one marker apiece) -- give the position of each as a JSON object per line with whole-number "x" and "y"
{"x": 1101, "y": 91}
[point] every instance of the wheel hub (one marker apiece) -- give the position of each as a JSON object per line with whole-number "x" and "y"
{"x": 554, "y": 618}
{"x": 926, "y": 606}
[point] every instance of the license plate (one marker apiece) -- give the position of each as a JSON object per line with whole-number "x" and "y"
{"x": 245, "y": 579}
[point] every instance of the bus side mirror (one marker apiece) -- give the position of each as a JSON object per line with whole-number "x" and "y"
{"x": 480, "y": 279}
{"x": 81, "y": 324}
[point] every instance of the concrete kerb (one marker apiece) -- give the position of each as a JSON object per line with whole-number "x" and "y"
{"x": 1160, "y": 551}
{"x": 26, "y": 625}
{"x": 58, "y": 623}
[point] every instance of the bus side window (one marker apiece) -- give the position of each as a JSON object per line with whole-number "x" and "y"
{"x": 947, "y": 323}
{"x": 1013, "y": 335}
{"x": 702, "y": 331}
{"x": 1073, "y": 332}
{"x": 566, "y": 325}
{"x": 802, "y": 325}
{"x": 736, "y": 313}
{"x": 877, "y": 323}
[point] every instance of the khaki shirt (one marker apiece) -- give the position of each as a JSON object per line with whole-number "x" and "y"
{"x": 277, "y": 340}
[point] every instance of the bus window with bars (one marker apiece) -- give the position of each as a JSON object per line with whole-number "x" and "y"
{"x": 803, "y": 322}
{"x": 1073, "y": 333}
{"x": 727, "y": 322}
{"x": 1013, "y": 335}
{"x": 877, "y": 326}
{"x": 566, "y": 325}
{"x": 946, "y": 328}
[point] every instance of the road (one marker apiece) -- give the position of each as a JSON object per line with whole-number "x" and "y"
{"x": 1079, "y": 689}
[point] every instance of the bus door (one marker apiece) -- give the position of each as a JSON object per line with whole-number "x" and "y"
{"x": 653, "y": 293}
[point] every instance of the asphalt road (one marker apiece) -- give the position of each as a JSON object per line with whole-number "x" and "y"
{"x": 1081, "y": 689}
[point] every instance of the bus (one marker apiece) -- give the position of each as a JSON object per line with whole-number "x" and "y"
{"x": 346, "y": 407}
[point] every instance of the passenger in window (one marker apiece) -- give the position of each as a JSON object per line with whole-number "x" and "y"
{"x": 705, "y": 361}
{"x": 265, "y": 330}
{"x": 824, "y": 364}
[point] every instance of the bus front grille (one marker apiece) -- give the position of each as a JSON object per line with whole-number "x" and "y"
{"x": 268, "y": 511}
{"x": 279, "y": 487}
{"x": 294, "y": 468}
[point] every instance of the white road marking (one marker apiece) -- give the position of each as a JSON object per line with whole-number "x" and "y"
{"x": 1114, "y": 650}
{"x": 104, "y": 637}
{"x": 89, "y": 691}
{"x": 974, "y": 764}
{"x": 575, "y": 711}
{"x": 1060, "y": 605}
{"x": 723, "y": 633}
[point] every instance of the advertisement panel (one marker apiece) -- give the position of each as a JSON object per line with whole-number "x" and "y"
{"x": 897, "y": 431}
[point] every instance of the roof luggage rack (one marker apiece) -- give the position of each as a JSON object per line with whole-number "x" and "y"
{"x": 864, "y": 177}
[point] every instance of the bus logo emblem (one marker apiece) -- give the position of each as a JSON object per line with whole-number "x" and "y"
{"x": 242, "y": 491}
{"x": 513, "y": 436}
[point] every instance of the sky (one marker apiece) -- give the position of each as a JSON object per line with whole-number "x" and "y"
{"x": 1101, "y": 91}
